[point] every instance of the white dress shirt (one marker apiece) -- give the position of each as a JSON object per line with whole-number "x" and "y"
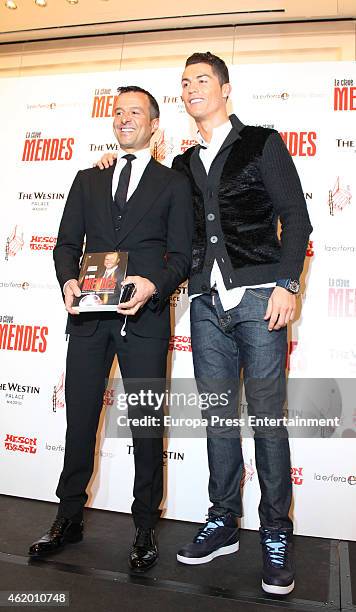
{"x": 137, "y": 169}
{"x": 230, "y": 298}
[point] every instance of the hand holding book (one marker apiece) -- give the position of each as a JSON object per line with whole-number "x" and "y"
{"x": 144, "y": 291}
{"x": 71, "y": 290}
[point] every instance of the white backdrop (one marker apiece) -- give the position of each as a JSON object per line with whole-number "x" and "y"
{"x": 54, "y": 125}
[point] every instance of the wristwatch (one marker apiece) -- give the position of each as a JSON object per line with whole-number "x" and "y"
{"x": 290, "y": 284}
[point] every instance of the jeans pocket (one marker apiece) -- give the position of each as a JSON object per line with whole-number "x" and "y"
{"x": 262, "y": 293}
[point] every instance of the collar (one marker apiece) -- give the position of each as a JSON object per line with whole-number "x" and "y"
{"x": 142, "y": 154}
{"x": 218, "y": 136}
{"x": 236, "y": 123}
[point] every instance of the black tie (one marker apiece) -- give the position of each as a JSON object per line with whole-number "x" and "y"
{"x": 124, "y": 180}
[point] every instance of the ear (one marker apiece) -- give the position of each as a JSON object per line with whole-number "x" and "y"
{"x": 154, "y": 125}
{"x": 226, "y": 90}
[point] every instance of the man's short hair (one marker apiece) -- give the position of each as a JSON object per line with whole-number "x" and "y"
{"x": 218, "y": 65}
{"x": 154, "y": 108}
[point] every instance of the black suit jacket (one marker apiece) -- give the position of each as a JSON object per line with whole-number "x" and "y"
{"x": 156, "y": 231}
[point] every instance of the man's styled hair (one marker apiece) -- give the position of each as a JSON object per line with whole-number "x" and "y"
{"x": 154, "y": 108}
{"x": 218, "y": 65}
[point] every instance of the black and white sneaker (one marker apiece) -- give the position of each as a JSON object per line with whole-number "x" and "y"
{"x": 278, "y": 570}
{"x": 219, "y": 536}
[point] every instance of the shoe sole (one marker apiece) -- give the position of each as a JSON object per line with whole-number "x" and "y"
{"x": 277, "y": 590}
{"x": 139, "y": 570}
{"x": 224, "y": 550}
{"x": 59, "y": 548}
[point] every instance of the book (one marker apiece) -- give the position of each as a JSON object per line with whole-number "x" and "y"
{"x": 100, "y": 278}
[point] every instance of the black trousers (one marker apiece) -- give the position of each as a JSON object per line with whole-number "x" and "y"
{"x": 88, "y": 362}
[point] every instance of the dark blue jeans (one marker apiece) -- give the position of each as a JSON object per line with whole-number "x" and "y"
{"x": 223, "y": 343}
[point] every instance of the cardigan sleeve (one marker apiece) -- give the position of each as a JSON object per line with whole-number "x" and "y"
{"x": 283, "y": 185}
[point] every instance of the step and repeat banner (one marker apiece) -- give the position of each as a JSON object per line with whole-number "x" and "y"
{"x": 53, "y": 126}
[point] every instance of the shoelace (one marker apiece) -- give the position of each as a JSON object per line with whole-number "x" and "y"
{"x": 208, "y": 528}
{"x": 276, "y": 550}
{"x": 57, "y": 526}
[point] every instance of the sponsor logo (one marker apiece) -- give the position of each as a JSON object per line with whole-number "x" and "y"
{"x": 25, "y": 285}
{"x": 15, "y": 393}
{"x": 22, "y": 444}
{"x": 342, "y": 298}
{"x": 12, "y": 285}
{"x": 340, "y": 249}
{"x": 346, "y": 144}
{"x": 177, "y": 297}
{"x": 108, "y": 147}
{"x": 167, "y": 454}
{"x": 248, "y": 473}
{"x": 339, "y": 197}
{"x": 40, "y": 200}
{"x": 344, "y": 358}
{"x": 58, "y": 399}
{"x": 26, "y": 338}
{"x": 297, "y": 475}
{"x": 160, "y": 147}
{"x": 56, "y": 447}
{"x": 103, "y": 103}
{"x": 36, "y": 148}
{"x": 272, "y": 96}
{"x": 186, "y": 143}
{"x": 344, "y": 95}
{"x": 43, "y": 243}
{"x": 180, "y": 343}
{"x": 175, "y": 101}
{"x": 52, "y": 106}
{"x": 336, "y": 478}
{"x": 285, "y": 96}
{"x": 301, "y": 144}
{"x": 41, "y": 195}
{"x": 46, "y": 106}
{"x": 14, "y": 242}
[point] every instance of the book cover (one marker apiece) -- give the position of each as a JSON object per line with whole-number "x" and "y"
{"x": 100, "y": 280}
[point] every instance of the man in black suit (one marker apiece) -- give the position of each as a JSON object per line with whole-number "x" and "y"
{"x": 144, "y": 208}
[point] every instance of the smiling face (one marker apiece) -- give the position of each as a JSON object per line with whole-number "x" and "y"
{"x": 203, "y": 96}
{"x": 111, "y": 260}
{"x": 133, "y": 125}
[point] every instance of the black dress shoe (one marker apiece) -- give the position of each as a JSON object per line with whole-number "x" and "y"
{"x": 144, "y": 553}
{"x": 62, "y": 532}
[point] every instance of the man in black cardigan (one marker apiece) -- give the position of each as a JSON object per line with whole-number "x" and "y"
{"x": 144, "y": 208}
{"x": 243, "y": 286}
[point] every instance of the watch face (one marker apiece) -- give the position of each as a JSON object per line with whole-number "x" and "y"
{"x": 293, "y": 286}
